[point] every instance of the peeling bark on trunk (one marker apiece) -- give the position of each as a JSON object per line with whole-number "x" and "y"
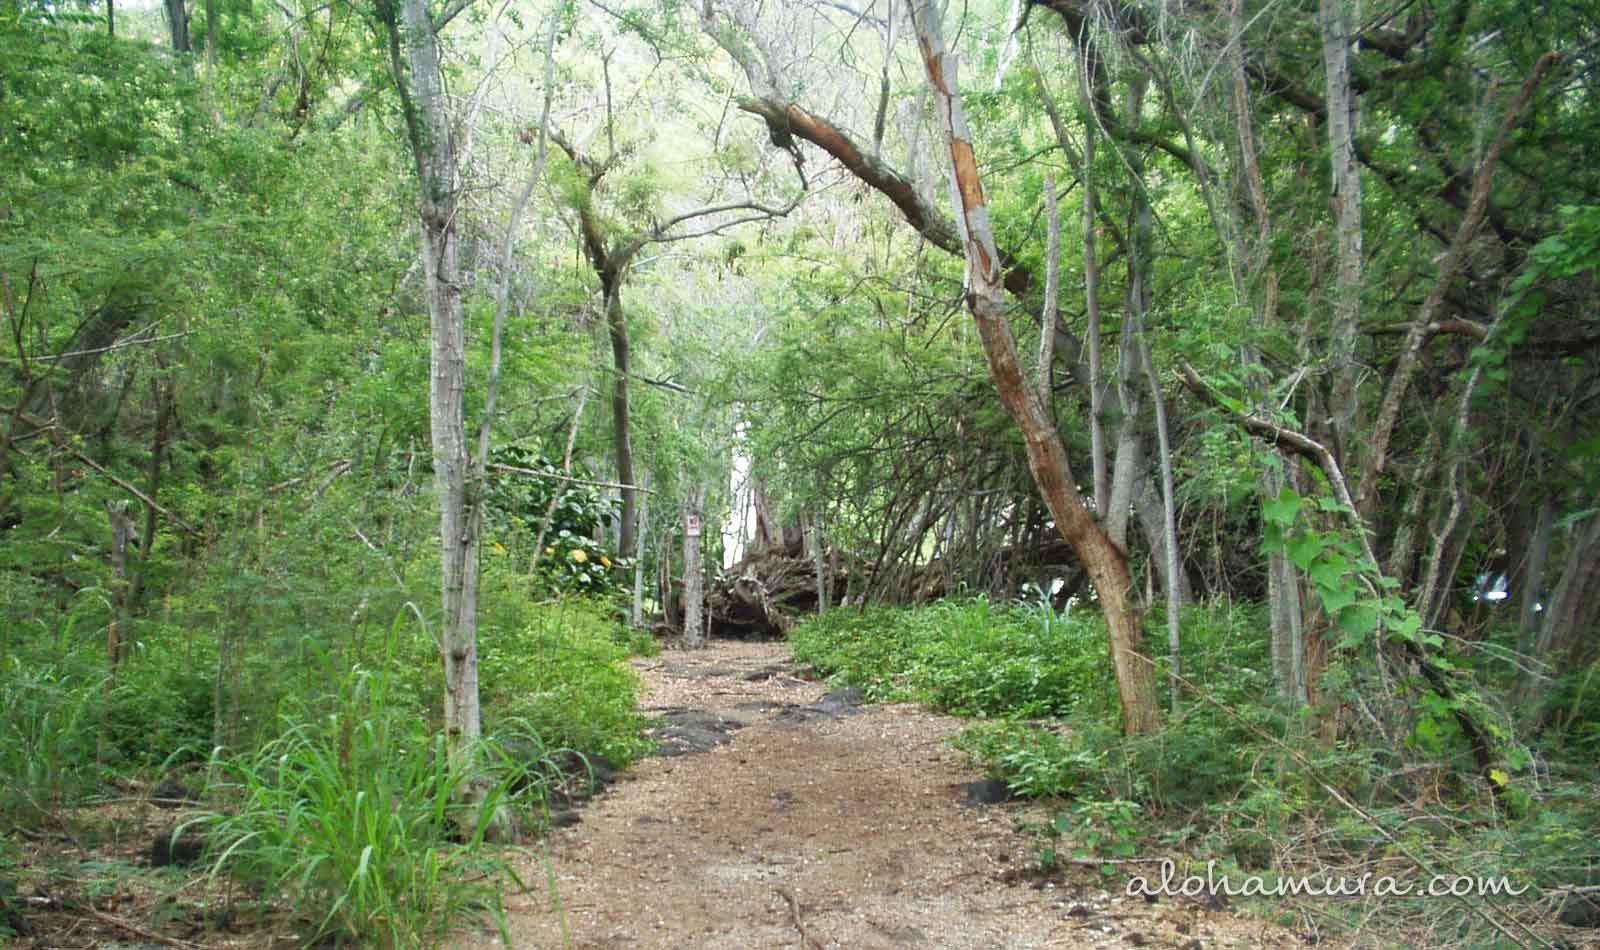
{"x": 1106, "y": 564}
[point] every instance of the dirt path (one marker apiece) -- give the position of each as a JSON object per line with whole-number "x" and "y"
{"x": 816, "y": 825}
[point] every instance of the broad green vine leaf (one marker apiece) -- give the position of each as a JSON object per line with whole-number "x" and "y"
{"x": 1335, "y": 599}
{"x": 1358, "y": 622}
{"x": 1303, "y": 550}
{"x": 1283, "y": 509}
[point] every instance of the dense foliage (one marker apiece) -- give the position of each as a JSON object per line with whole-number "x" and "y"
{"x": 704, "y": 263}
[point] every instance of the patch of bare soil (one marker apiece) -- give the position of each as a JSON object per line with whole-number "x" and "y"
{"x": 112, "y": 876}
{"x": 814, "y": 822}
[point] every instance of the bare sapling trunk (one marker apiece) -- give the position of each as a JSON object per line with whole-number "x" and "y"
{"x": 693, "y": 579}
{"x": 420, "y": 81}
{"x": 1105, "y": 563}
{"x": 819, "y": 564}
{"x": 1335, "y": 17}
{"x": 636, "y": 611}
{"x": 1283, "y": 585}
{"x": 1169, "y": 514}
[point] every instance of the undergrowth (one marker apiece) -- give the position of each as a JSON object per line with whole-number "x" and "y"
{"x": 1235, "y": 776}
{"x": 344, "y": 806}
{"x": 970, "y": 657}
{"x": 366, "y": 824}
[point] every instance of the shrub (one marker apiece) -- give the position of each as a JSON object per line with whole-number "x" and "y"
{"x": 968, "y": 657}
{"x": 871, "y": 648}
{"x": 564, "y": 673}
{"x": 1035, "y": 761}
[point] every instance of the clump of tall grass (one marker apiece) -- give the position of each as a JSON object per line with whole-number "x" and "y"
{"x": 49, "y": 729}
{"x": 365, "y": 823}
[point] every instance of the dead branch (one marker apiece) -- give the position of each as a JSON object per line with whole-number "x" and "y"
{"x": 1283, "y": 437}
{"x": 140, "y": 932}
{"x": 806, "y": 939}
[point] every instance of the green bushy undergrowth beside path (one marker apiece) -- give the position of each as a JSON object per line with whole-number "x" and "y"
{"x": 1235, "y": 776}
{"x": 348, "y": 813}
{"x": 967, "y": 657}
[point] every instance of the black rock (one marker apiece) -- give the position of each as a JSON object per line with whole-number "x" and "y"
{"x": 172, "y": 793}
{"x": 988, "y": 791}
{"x": 843, "y": 702}
{"x": 688, "y": 731}
{"x": 179, "y": 846}
{"x": 1581, "y": 910}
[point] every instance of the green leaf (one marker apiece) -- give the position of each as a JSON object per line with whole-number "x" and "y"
{"x": 1335, "y": 599}
{"x": 1358, "y": 622}
{"x": 1329, "y": 572}
{"x": 1303, "y": 550}
{"x": 1283, "y": 509}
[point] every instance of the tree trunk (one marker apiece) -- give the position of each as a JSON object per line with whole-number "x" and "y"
{"x": 428, "y": 127}
{"x": 819, "y": 562}
{"x": 694, "y": 590}
{"x": 1335, "y": 20}
{"x": 123, "y": 533}
{"x": 636, "y": 615}
{"x": 621, "y": 427}
{"x": 1105, "y": 563}
{"x": 1091, "y": 303}
{"x": 1172, "y": 564}
{"x": 1288, "y": 646}
{"x": 1530, "y": 585}
{"x": 211, "y": 34}
{"x": 1130, "y": 460}
{"x": 178, "y": 21}
{"x": 1570, "y": 615}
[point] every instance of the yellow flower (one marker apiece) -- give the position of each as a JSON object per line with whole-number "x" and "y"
{"x": 550, "y": 550}
{"x": 605, "y": 560}
{"x": 580, "y": 555}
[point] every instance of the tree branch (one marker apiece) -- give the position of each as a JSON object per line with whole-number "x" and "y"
{"x": 497, "y": 466}
{"x": 1389, "y": 411}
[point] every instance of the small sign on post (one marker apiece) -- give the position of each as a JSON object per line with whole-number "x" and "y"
{"x": 691, "y": 525}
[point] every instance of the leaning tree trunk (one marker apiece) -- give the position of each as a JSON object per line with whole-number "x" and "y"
{"x": 428, "y": 126}
{"x": 1105, "y": 563}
